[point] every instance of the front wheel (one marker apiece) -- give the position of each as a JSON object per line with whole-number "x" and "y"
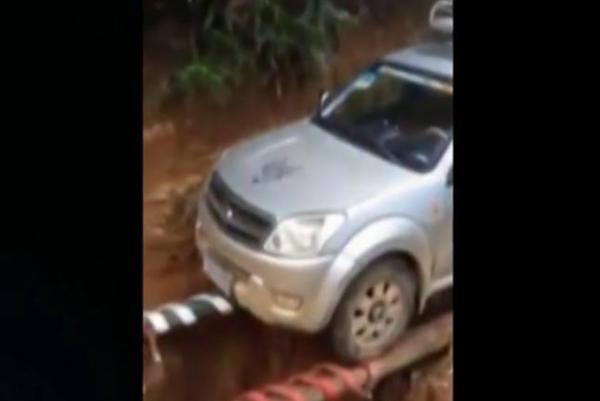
{"x": 374, "y": 311}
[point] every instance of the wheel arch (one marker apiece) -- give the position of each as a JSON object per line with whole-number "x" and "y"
{"x": 389, "y": 238}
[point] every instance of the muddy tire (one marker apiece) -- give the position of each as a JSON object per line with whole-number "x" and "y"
{"x": 376, "y": 309}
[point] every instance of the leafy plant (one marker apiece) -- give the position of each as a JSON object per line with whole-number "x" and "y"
{"x": 268, "y": 41}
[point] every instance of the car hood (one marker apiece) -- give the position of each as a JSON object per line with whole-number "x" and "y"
{"x": 301, "y": 168}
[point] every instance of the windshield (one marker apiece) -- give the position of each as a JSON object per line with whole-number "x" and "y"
{"x": 402, "y": 116}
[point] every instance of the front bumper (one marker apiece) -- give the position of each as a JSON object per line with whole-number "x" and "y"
{"x": 258, "y": 277}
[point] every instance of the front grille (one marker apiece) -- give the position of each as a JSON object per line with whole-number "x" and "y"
{"x": 236, "y": 217}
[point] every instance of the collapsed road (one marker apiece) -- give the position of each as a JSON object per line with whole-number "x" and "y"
{"x": 330, "y": 381}
{"x": 326, "y": 381}
{"x": 173, "y": 316}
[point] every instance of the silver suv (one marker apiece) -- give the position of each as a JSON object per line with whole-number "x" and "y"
{"x": 344, "y": 219}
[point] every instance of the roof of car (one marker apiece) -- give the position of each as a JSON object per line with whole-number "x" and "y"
{"x": 435, "y": 58}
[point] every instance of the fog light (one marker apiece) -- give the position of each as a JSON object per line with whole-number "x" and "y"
{"x": 288, "y": 301}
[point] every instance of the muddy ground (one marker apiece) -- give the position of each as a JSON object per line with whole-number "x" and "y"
{"x": 223, "y": 356}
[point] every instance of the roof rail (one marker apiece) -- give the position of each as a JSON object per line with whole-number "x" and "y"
{"x": 441, "y": 17}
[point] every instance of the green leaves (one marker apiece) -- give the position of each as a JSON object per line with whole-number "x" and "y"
{"x": 239, "y": 40}
{"x": 202, "y": 75}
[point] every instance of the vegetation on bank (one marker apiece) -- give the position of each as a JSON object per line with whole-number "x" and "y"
{"x": 271, "y": 42}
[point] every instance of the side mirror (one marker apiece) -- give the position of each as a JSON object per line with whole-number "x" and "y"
{"x": 449, "y": 180}
{"x": 441, "y": 17}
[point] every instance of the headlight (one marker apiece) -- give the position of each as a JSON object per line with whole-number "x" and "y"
{"x": 303, "y": 236}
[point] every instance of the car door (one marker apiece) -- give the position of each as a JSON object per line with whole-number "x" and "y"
{"x": 444, "y": 254}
